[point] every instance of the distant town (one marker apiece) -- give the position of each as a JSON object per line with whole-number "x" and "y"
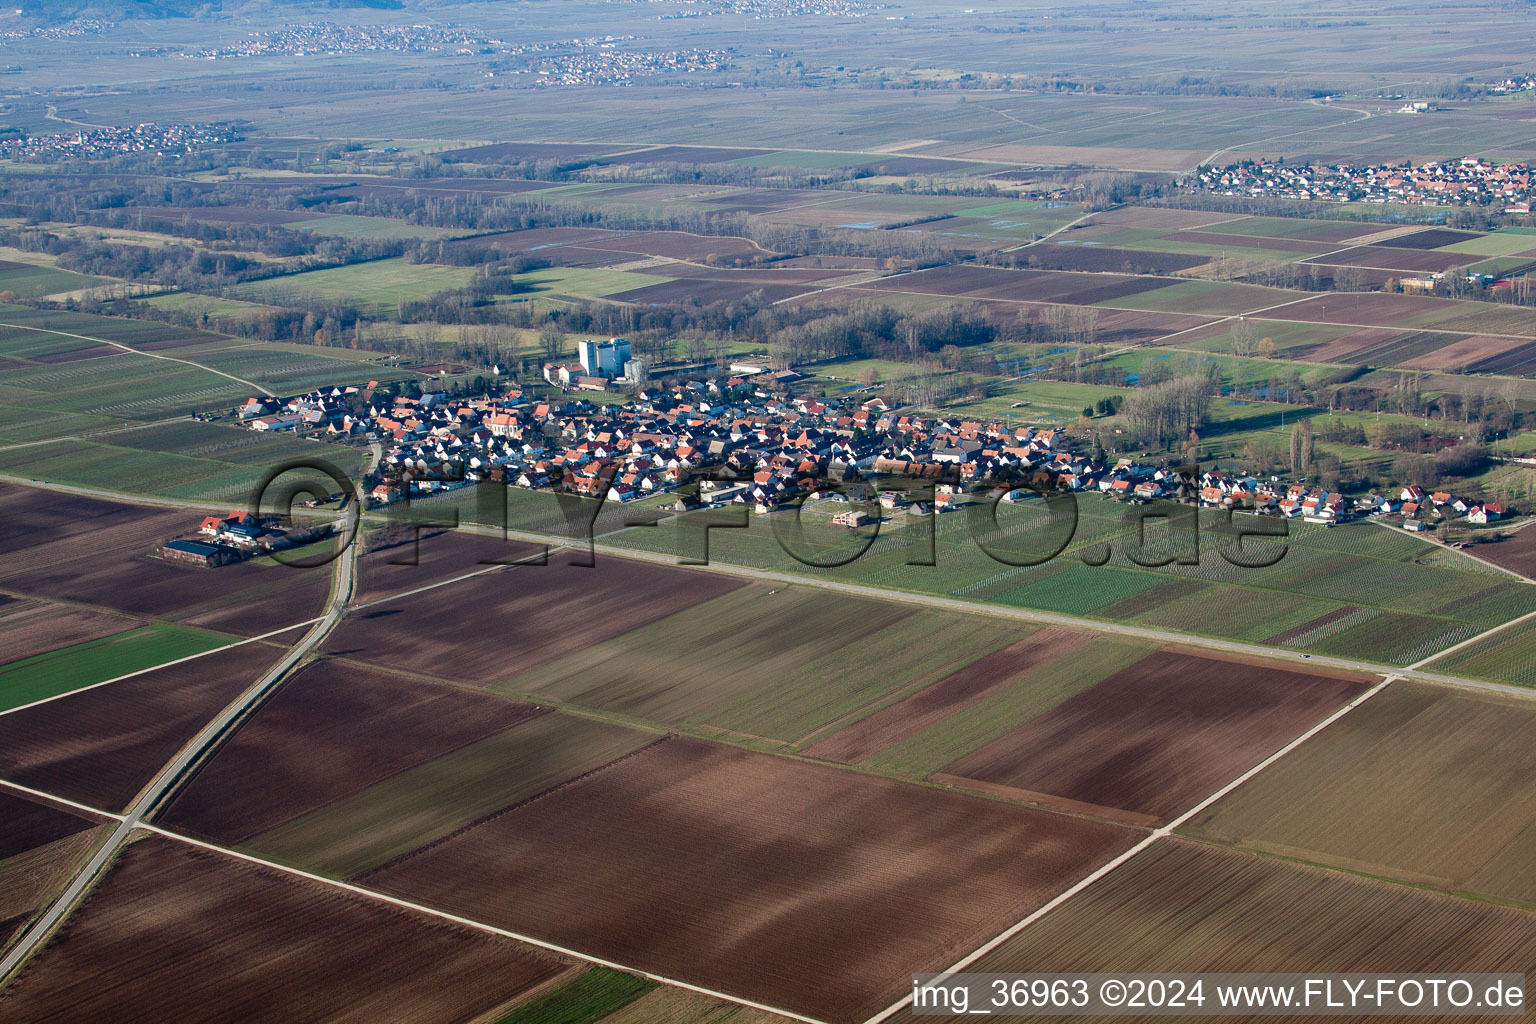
{"x": 618, "y": 67}
{"x": 766, "y": 9}
{"x": 328, "y": 39}
{"x": 1469, "y": 181}
{"x": 150, "y": 137}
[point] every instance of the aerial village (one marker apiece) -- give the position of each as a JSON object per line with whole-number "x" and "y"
{"x": 760, "y": 445}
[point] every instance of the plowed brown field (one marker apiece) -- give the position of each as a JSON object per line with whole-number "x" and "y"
{"x": 332, "y": 730}
{"x": 489, "y": 627}
{"x": 1183, "y": 907}
{"x": 1160, "y": 734}
{"x": 175, "y": 935}
{"x": 101, "y": 746}
{"x": 97, "y": 552}
{"x": 807, "y": 888}
{"x": 933, "y": 704}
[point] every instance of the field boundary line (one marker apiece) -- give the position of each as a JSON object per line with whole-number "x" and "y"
{"x": 137, "y": 352}
{"x": 1365, "y": 115}
{"x": 74, "y": 804}
{"x": 471, "y": 923}
{"x": 164, "y": 664}
{"x": 1145, "y": 844}
{"x": 534, "y": 559}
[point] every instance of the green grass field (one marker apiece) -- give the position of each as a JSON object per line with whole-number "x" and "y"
{"x": 380, "y": 285}
{"x": 84, "y": 664}
{"x": 180, "y": 460}
{"x": 30, "y": 281}
{"x": 1497, "y": 244}
{"x": 1284, "y": 227}
{"x": 583, "y": 282}
{"x": 205, "y": 305}
{"x": 1508, "y": 656}
{"x": 1413, "y": 601}
{"x": 589, "y": 998}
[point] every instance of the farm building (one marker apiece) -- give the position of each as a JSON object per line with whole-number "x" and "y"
{"x": 195, "y": 552}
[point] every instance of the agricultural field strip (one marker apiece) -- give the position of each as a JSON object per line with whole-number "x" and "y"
{"x": 128, "y": 499}
{"x": 150, "y": 355}
{"x": 128, "y": 822}
{"x": 358, "y": 890}
{"x": 156, "y": 668}
{"x": 394, "y": 901}
{"x": 1353, "y": 244}
{"x": 1383, "y": 327}
{"x": 1365, "y": 115}
{"x": 1468, "y": 554}
{"x": 1471, "y": 640}
{"x": 973, "y": 607}
{"x": 1155, "y": 342}
{"x": 137, "y": 425}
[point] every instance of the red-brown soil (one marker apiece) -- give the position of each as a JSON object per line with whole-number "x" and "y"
{"x": 32, "y": 627}
{"x": 1367, "y": 309}
{"x": 32, "y": 823}
{"x": 1517, "y": 552}
{"x": 1385, "y": 257}
{"x": 176, "y": 934}
{"x": 1160, "y": 734}
{"x": 807, "y": 888}
{"x": 442, "y": 555}
{"x": 1478, "y": 350}
{"x": 1430, "y": 239}
{"x": 932, "y": 704}
{"x": 487, "y": 628}
{"x": 101, "y": 746}
{"x": 1187, "y": 907}
{"x": 332, "y": 730}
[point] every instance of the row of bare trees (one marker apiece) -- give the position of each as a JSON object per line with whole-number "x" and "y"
{"x": 1167, "y": 411}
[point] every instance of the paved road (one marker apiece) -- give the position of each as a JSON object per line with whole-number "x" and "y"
{"x": 206, "y": 741}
